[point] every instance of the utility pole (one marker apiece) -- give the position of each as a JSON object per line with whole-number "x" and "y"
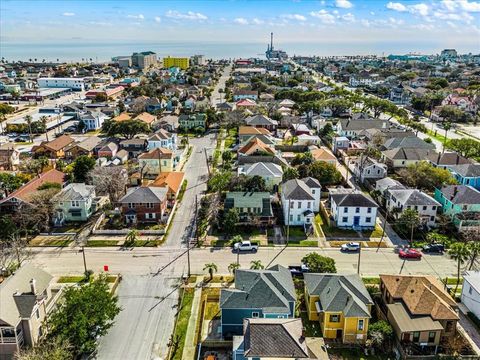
{"x": 206, "y": 158}
{"x": 84, "y": 261}
{"x": 159, "y": 161}
{"x": 384, "y": 226}
{"x": 359, "y": 257}
{"x": 288, "y": 222}
{"x": 411, "y": 234}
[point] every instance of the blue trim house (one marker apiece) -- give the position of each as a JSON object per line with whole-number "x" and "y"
{"x": 461, "y": 203}
{"x": 257, "y": 294}
{"x": 467, "y": 174}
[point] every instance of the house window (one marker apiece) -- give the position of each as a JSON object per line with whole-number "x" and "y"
{"x": 299, "y": 217}
{"x": 368, "y": 219}
{"x": 424, "y": 208}
{"x": 313, "y": 191}
{"x": 291, "y": 204}
{"x": 345, "y": 219}
{"x": 360, "y": 324}
{"x": 434, "y": 208}
{"x": 131, "y": 205}
{"x": 470, "y": 290}
{"x": 416, "y": 336}
{"x": 150, "y": 205}
{"x": 291, "y": 218}
{"x": 37, "y": 313}
{"x": 369, "y": 210}
{"x": 255, "y": 314}
{"x": 431, "y": 336}
{"x": 464, "y": 207}
{"x": 75, "y": 203}
{"x": 299, "y": 204}
{"x": 308, "y": 204}
{"x": 149, "y": 215}
{"x": 357, "y": 210}
{"x": 432, "y": 218}
{"x": 345, "y": 210}
{"x": 334, "y": 318}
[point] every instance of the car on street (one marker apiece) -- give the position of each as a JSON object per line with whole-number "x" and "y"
{"x": 245, "y": 246}
{"x": 410, "y": 254}
{"x": 350, "y": 247}
{"x": 434, "y": 248}
{"x": 298, "y": 270}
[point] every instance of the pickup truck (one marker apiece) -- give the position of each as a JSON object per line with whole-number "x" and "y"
{"x": 298, "y": 270}
{"x": 245, "y": 246}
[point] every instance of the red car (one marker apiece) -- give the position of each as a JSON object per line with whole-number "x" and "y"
{"x": 410, "y": 254}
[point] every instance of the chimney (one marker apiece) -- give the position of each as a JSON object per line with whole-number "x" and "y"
{"x": 455, "y": 191}
{"x": 33, "y": 286}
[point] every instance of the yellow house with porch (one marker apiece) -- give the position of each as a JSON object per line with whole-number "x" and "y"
{"x": 341, "y": 304}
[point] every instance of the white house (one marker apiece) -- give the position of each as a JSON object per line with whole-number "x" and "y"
{"x": 368, "y": 168}
{"x": 305, "y": 139}
{"x": 268, "y": 171}
{"x": 414, "y": 199}
{"x": 471, "y": 292}
{"x": 69, "y": 83}
{"x": 162, "y": 139}
{"x": 93, "y": 120}
{"x": 75, "y": 202}
{"x": 352, "y": 210}
{"x": 300, "y": 200}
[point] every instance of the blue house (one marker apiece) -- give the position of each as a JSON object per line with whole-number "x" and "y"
{"x": 461, "y": 203}
{"x": 467, "y": 174}
{"x": 257, "y": 294}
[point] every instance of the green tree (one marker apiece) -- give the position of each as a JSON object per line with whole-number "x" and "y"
{"x": 325, "y": 173}
{"x": 100, "y": 97}
{"x": 43, "y": 121}
{"x": 255, "y": 183}
{"x": 28, "y": 120}
{"x": 256, "y": 265}
{"x": 408, "y": 222}
{"x": 380, "y": 334}
{"x": 211, "y": 268}
{"x": 131, "y": 238}
{"x": 10, "y": 182}
{"x": 233, "y": 267}
{"x": 469, "y": 148}
{"x": 230, "y": 220}
{"x": 81, "y": 167}
{"x": 5, "y": 109}
{"x": 459, "y": 252}
{"x": 327, "y": 132}
{"x": 424, "y": 175}
{"x": 290, "y": 173}
{"x": 127, "y": 129}
{"x": 319, "y": 264}
{"x": 452, "y": 114}
{"x": 53, "y": 349}
{"x": 84, "y": 314}
{"x": 227, "y": 156}
{"x": 219, "y": 181}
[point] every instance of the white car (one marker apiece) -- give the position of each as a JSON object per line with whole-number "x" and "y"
{"x": 350, "y": 247}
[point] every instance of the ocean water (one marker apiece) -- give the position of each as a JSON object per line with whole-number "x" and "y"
{"x": 76, "y": 50}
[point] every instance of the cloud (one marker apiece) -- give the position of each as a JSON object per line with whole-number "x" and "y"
{"x": 344, "y": 4}
{"x": 473, "y": 6}
{"x": 423, "y": 26}
{"x": 100, "y": 23}
{"x": 294, "y": 17}
{"x": 241, "y": 21}
{"x": 68, "y": 14}
{"x": 396, "y": 6}
{"x": 349, "y": 17}
{"x": 190, "y": 15}
{"x": 324, "y": 16}
{"x": 421, "y": 9}
{"x": 157, "y": 19}
{"x": 136, "y": 17}
{"x": 257, "y": 21}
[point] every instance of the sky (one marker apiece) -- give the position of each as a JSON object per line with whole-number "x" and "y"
{"x": 420, "y": 23}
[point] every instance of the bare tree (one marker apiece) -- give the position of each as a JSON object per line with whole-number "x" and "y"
{"x": 233, "y": 119}
{"x": 110, "y": 181}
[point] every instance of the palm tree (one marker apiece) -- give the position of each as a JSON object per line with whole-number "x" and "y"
{"x": 43, "y": 120}
{"x": 447, "y": 126}
{"x": 211, "y": 268}
{"x": 28, "y": 119}
{"x": 233, "y": 267}
{"x": 256, "y": 265}
{"x": 131, "y": 237}
{"x": 474, "y": 247}
{"x": 460, "y": 252}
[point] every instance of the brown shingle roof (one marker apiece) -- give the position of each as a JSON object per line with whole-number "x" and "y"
{"x": 157, "y": 153}
{"x": 146, "y": 118}
{"x": 422, "y": 295}
{"x": 122, "y": 117}
{"x": 323, "y": 155}
{"x": 58, "y": 143}
{"x": 254, "y": 145}
{"x": 250, "y": 130}
{"x": 172, "y": 180}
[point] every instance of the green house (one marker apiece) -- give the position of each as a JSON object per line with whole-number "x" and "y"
{"x": 461, "y": 203}
{"x": 192, "y": 121}
{"x": 253, "y": 207}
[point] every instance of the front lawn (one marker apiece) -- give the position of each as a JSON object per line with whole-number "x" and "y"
{"x": 102, "y": 243}
{"x": 181, "y": 325}
{"x": 333, "y": 231}
{"x": 303, "y": 243}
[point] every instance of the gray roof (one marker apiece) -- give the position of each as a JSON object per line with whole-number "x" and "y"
{"x": 340, "y": 293}
{"x": 161, "y": 134}
{"x": 461, "y": 194}
{"x": 352, "y": 199}
{"x": 263, "y": 169}
{"x": 75, "y": 191}
{"x": 348, "y": 124}
{"x": 406, "y": 154}
{"x": 448, "y": 158}
{"x": 144, "y": 194}
{"x": 407, "y": 142}
{"x": 389, "y": 183}
{"x": 249, "y": 199}
{"x": 260, "y": 120}
{"x": 279, "y": 338}
{"x": 270, "y": 290}
{"x": 311, "y": 182}
{"x": 296, "y": 189}
{"x": 89, "y": 143}
{"x": 413, "y": 197}
{"x": 12, "y": 309}
{"x": 467, "y": 170}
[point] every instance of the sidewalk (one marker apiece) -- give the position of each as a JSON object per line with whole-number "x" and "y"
{"x": 190, "y": 346}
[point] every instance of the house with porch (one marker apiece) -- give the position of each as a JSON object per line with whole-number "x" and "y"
{"x": 461, "y": 203}
{"x": 252, "y": 207}
{"x": 144, "y": 204}
{"x": 268, "y": 171}
{"x": 300, "y": 200}
{"x": 9, "y": 157}
{"x": 467, "y": 174}
{"x": 257, "y": 294}
{"x": 85, "y": 147}
{"x": 156, "y": 161}
{"x": 341, "y": 304}
{"x": 367, "y": 168}
{"x": 162, "y": 139}
{"x": 54, "y": 149}
{"x": 192, "y": 121}
{"x": 75, "y": 202}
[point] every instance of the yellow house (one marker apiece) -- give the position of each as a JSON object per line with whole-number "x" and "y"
{"x": 341, "y": 304}
{"x": 180, "y": 62}
{"x": 156, "y": 161}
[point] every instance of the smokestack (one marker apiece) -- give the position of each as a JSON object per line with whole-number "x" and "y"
{"x": 271, "y": 41}
{"x": 33, "y": 286}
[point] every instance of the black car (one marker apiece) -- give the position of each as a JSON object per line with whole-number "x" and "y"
{"x": 434, "y": 248}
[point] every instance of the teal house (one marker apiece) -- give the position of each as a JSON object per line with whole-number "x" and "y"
{"x": 467, "y": 174}
{"x": 257, "y": 294}
{"x": 461, "y": 203}
{"x": 192, "y": 121}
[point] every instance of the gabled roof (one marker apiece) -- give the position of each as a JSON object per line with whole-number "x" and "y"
{"x": 173, "y": 180}
{"x": 311, "y": 182}
{"x": 246, "y": 102}
{"x": 407, "y": 142}
{"x": 340, "y": 293}
{"x": 353, "y": 199}
{"x": 146, "y": 118}
{"x": 296, "y": 189}
{"x": 161, "y": 134}
{"x": 263, "y": 169}
{"x": 75, "y": 191}
{"x": 255, "y": 145}
{"x": 251, "y": 130}
{"x": 422, "y": 295}
{"x": 122, "y": 117}
{"x": 278, "y": 338}
{"x": 413, "y": 197}
{"x": 144, "y": 194}
{"x": 461, "y": 194}
{"x": 249, "y": 199}
{"x": 467, "y": 170}
{"x": 448, "y": 158}
{"x": 323, "y": 155}
{"x": 260, "y": 120}
{"x": 58, "y": 143}
{"x": 12, "y": 309}
{"x": 406, "y": 154}
{"x": 348, "y": 124}
{"x": 25, "y": 191}
{"x": 111, "y": 146}
{"x": 157, "y": 153}
{"x": 88, "y": 144}
{"x": 270, "y": 290}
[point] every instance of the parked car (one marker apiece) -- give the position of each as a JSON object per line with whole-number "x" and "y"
{"x": 410, "y": 254}
{"x": 434, "y": 248}
{"x": 397, "y": 248}
{"x": 298, "y": 270}
{"x": 350, "y": 247}
{"x": 245, "y": 246}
